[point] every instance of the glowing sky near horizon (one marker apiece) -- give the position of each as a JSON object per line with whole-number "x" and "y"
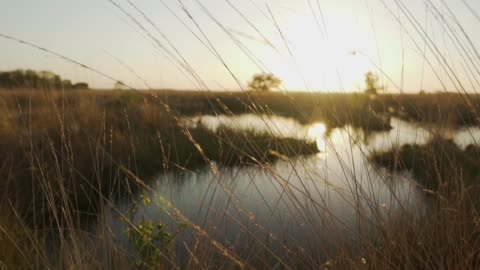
{"x": 324, "y": 45}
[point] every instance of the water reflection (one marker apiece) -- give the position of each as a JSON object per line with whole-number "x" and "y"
{"x": 402, "y": 132}
{"x": 305, "y": 202}
{"x": 282, "y": 127}
{"x": 466, "y": 136}
{"x": 317, "y": 132}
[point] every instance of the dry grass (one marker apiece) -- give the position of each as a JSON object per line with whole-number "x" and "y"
{"x": 75, "y": 154}
{"x": 67, "y": 158}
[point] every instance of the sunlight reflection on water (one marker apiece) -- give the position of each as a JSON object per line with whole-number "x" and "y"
{"x": 403, "y": 132}
{"x": 317, "y": 132}
{"x": 286, "y": 198}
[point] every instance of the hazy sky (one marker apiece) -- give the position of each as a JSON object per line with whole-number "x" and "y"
{"x": 322, "y": 45}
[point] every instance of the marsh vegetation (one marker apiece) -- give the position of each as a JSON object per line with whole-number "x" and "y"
{"x": 259, "y": 177}
{"x": 107, "y": 167}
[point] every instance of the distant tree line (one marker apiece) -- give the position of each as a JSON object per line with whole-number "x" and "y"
{"x": 37, "y": 80}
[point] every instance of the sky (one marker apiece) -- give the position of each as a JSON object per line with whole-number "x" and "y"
{"x": 324, "y": 45}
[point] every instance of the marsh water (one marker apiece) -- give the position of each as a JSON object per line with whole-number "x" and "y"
{"x": 336, "y": 196}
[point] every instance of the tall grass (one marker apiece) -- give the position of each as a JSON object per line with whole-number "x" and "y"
{"x": 73, "y": 154}
{"x": 68, "y": 158}
{"x": 73, "y": 165}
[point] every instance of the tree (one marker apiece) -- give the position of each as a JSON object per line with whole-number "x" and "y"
{"x": 264, "y": 82}
{"x": 67, "y": 84}
{"x": 80, "y": 86}
{"x": 31, "y": 78}
{"x": 36, "y": 80}
{"x": 119, "y": 85}
{"x": 371, "y": 83}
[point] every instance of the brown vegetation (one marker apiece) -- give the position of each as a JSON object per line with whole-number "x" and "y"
{"x": 66, "y": 156}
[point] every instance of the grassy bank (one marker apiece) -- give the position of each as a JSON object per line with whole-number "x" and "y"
{"x": 71, "y": 155}
{"x": 448, "y": 236}
{"x": 335, "y": 109}
{"x": 440, "y": 164}
{"x": 77, "y": 142}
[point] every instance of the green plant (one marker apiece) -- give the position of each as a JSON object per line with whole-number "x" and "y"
{"x": 152, "y": 241}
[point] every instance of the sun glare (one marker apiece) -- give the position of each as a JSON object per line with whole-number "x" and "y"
{"x": 317, "y": 132}
{"x": 310, "y": 60}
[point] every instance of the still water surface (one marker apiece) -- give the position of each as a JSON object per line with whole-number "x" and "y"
{"x": 334, "y": 196}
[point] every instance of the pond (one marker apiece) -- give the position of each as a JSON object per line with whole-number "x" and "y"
{"x": 307, "y": 204}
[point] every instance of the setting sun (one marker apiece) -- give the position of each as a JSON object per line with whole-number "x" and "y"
{"x": 319, "y": 61}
